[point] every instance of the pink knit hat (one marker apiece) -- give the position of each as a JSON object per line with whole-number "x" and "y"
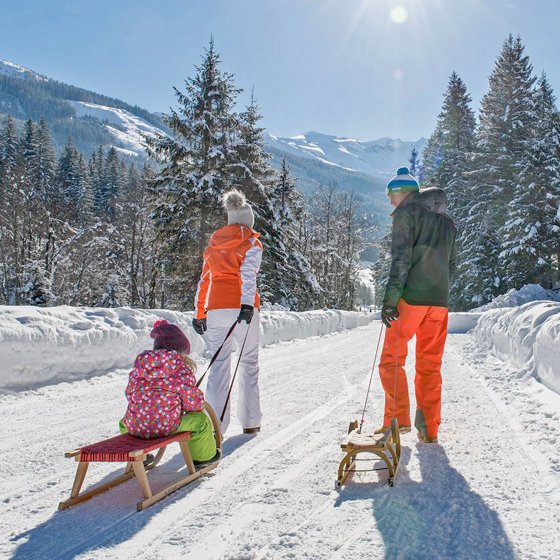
{"x": 169, "y": 337}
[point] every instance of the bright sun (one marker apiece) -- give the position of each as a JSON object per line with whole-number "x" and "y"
{"x": 399, "y": 14}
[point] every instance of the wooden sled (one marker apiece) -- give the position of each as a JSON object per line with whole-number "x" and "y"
{"x": 125, "y": 448}
{"x": 386, "y": 446}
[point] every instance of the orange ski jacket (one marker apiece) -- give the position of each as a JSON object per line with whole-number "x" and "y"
{"x": 232, "y": 261}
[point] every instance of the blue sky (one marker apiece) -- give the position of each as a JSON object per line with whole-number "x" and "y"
{"x": 358, "y": 68}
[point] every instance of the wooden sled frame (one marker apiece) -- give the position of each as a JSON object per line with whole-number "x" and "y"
{"x": 386, "y": 446}
{"x": 135, "y": 468}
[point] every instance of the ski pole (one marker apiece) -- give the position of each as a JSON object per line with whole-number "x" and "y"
{"x": 215, "y": 356}
{"x": 370, "y": 379}
{"x": 234, "y": 374}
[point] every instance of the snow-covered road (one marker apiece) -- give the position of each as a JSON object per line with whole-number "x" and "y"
{"x": 490, "y": 490}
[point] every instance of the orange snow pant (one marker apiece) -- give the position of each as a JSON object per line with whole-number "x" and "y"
{"x": 429, "y": 324}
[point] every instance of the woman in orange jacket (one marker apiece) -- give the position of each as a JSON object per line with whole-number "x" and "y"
{"x": 227, "y": 292}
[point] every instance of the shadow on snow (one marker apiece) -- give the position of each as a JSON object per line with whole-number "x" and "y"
{"x": 109, "y": 518}
{"x": 439, "y": 517}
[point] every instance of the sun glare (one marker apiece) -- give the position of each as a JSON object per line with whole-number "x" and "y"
{"x": 399, "y": 14}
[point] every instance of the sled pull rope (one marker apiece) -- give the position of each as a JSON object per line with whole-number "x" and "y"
{"x": 370, "y": 378}
{"x": 215, "y": 356}
{"x": 234, "y": 373}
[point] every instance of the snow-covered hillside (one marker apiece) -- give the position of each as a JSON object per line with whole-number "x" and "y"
{"x": 11, "y": 69}
{"x": 378, "y": 158}
{"x": 107, "y": 121}
{"x": 128, "y": 129}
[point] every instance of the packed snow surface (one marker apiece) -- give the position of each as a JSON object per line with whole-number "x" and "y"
{"x": 41, "y": 346}
{"x": 489, "y": 490}
{"x": 527, "y": 336}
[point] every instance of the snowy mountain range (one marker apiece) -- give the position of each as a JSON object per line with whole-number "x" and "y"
{"x": 377, "y": 158}
{"x": 92, "y": 119}
{"x": 89, "y": 118}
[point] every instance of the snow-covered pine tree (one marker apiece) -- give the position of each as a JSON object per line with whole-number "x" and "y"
{"x": 111, "y": 187}
{"x": 454, "y": 137}
{"x": 415, "y": 165}
{"x": 196, "y": 166}
{"x": 96, "y": 167}
{"x": 382, "y": 266}
{"x": 10, "y": 212}
{"x": 531, "y": 233}
{"x": 290, "y": 215}
{"x": 71, "y": 178}
{"x": 45, "y": 185}
{"x": 32, "y": 208}
{"x": 432, "y": 155}
{"x": 46, "y": 160}
{"x": 456, "y": 124}
{"x": 285, "y": 277}
{"x": 507, "y": 120}
{"x": 36, "y": 289}
{"x": 87, "y": 203}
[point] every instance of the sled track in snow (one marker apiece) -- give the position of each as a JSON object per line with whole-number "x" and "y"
{"x": 272, "y": 445}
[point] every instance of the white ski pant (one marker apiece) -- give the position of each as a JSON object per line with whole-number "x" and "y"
{"x": 218, "y": 324}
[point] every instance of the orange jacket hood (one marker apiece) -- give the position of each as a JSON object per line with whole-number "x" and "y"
{"x": 231, "y": 236}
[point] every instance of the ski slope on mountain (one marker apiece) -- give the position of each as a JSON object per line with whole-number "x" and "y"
{"x": 490, "y": 490}
{"x": 129, "y": 130}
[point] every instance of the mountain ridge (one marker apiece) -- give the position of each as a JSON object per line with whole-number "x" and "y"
{"x": 92, "y": 119}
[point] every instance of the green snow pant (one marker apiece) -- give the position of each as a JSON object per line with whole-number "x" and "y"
{"x": 201, "y": 443}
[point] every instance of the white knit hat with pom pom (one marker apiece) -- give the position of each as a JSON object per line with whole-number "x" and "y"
{"x": 238, "y": 210}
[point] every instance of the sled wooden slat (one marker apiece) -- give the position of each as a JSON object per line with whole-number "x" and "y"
{"x": 133, "y": 451}
{"x": 356, "y": 440}
{"x": 72, "y": 453}
{"x": 385, "y": 446}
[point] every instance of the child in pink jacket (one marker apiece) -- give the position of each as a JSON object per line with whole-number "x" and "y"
{"x": 162, "y": 395}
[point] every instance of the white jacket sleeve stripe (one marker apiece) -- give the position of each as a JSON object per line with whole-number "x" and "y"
{"x": 249, "y": 269}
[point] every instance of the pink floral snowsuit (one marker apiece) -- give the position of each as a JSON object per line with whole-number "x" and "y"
{"x": 161, "y": 388}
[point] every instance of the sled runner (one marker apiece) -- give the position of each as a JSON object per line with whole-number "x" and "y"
{"x": 132, "y": 450}
{"x": 385, "y": 446}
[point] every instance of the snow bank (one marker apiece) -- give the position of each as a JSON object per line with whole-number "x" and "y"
{"x": 461, "y": 322}
{"x": 527, "y": 336}
{"x": 515, "y": 298}
{"x": 277, "y": 326}
{"x": 40, "y": 346}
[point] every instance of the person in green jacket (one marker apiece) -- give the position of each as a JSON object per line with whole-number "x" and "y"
{"x": 416, "y": 301}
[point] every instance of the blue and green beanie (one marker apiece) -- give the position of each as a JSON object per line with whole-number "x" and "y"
{"x": 403, "y": 182}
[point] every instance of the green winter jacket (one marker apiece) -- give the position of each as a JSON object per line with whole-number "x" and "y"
{"x": 422, "y": 250}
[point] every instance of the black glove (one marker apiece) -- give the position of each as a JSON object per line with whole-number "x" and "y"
{"x": 199, "y": 325}
{"x": 246, "y": 313}
{"x": 388, "y": 314}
